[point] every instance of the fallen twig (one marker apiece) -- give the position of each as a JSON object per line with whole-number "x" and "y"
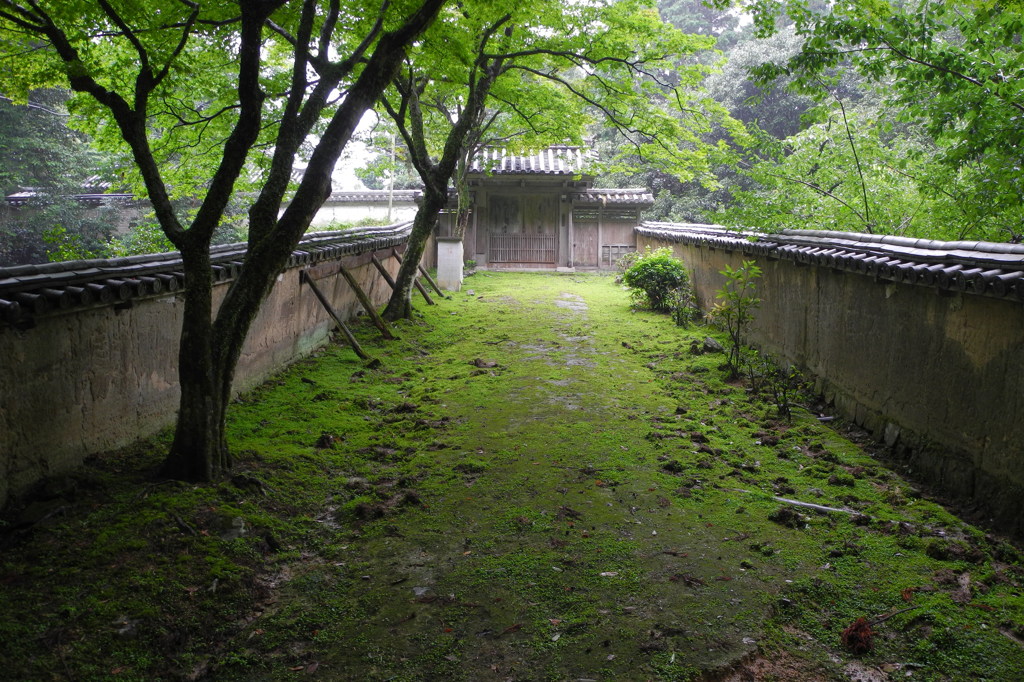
{"x": 882, "y": 619}
{"x": 184, "y": 526}
{"x": 858, "y": 637}
{"x": 811, "y": 505}
{"x": 796, "y": 503}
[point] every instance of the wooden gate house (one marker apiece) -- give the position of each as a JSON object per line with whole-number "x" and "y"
{"x": 539, "y": 211}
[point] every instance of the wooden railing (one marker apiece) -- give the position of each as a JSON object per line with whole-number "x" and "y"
{"x": 523, "y": 248}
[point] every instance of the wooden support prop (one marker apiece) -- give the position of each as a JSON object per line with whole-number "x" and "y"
{"x": 382, "y": 270}
{"x": 422, "y": 290}
{"x": 364, "y": 301}
{"x": 430, "y": 280}
{"x": 416, "y": 281}
{"x": 337, "y": 320}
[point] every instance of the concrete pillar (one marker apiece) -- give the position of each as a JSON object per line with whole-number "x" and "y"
{"x": 449, "y": 263}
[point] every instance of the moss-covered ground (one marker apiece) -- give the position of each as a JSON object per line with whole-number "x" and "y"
{"x": 536, "y": 483}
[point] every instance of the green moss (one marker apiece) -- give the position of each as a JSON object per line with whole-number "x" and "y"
{"x": 595, "y": 504}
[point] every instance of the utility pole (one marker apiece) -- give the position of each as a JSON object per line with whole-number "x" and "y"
{"x": 391, "y": 179}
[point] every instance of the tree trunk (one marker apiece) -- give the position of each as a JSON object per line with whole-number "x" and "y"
{"x": 199, "y": 450}
{"x": 400, "y": 304}
{"x": 209, "y": 355}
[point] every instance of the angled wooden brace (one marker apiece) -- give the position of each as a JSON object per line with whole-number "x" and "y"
{"x": 383, "y": 271}
{"x": 364, "y": 301}
{"x": 430, "y": 280}
{"x": 305, "y": 278}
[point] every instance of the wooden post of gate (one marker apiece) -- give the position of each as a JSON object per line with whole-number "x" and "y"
{"x": 415, "y": 280}
{"x": 304, "y": 277}
{"x": 364, "y": 301}
{"x": 382, "y": 270}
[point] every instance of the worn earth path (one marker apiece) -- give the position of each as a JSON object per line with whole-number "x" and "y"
{"x": 575, "y": 494}
{"x": 561, "y": 548}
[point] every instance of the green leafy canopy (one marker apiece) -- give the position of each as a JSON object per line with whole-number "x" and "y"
{"x": 952, "y": 71}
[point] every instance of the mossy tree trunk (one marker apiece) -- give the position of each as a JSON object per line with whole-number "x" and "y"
{"x": 435, "y": 198}
{"x": 467, "y": 121}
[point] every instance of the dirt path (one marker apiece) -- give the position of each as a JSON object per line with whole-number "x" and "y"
{"x": 561, "y": 550}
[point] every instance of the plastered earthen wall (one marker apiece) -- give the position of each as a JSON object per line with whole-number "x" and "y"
{"x": 86, "y": 381}
{"x": 937, "y": 375}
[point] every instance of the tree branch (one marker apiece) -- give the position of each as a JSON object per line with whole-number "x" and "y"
{"x": 817, "y": 189}
{"x": 247, "y": 127}
{"x": 953, "y": 72}
{"x": 23, "y": 16}
{"x": 359, "y": 53}
{"x": 186, "y": 31}
{"x": 379, "y": 71}
{"x": 327, "y": 30}
{"x": 126, "y": 31}
{"x": 131, "y": 123}
{"x": 856, "y": 159}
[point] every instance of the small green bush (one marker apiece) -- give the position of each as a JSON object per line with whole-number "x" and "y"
{"x": 766, "y": 376}
{"x": 657, "y": 280}
{"x": 734, "y": 310}
{"x": 683, "y": 305}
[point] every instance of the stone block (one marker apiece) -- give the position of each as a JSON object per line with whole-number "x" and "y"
{"x": 891, "y": 434}
{"x": 449, "y": 263}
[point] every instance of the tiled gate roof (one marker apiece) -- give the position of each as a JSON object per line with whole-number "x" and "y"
{"x": 555, "y": 160}
{"x": 613, "y": 197}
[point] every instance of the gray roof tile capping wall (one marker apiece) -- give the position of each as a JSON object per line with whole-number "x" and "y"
{"x": 375, "y": 196}
{"x": 613, "y": 197}
{"x": 27, "y": 291}
{"x": 983, "y": 268}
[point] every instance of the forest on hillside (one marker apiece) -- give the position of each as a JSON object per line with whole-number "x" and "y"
{"x": 899, "y": 117}
{"x": 888, "y": 117}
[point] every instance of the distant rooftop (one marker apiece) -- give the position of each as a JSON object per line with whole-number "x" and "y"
{"x": 375, "y": 196}
{"x": 555, "y": 160}
{"x": 95, "y": 191}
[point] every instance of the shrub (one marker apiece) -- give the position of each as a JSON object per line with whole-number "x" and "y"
{"x": 656, "y": 279}
{"x": 735, "y": 307}
{"x": 765, "y": 375}
{"x": 683, "y": 305}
